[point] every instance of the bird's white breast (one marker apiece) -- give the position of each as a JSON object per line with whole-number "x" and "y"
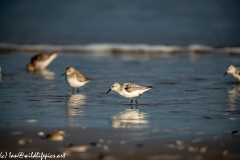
{"x": 73, "y": 82}
{"x": 237, "y": 76}
{"x": 132, "y": 94}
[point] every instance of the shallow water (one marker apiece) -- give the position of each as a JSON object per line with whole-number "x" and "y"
{"x": 187, "y": 89}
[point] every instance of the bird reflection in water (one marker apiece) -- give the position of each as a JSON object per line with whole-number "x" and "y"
{"x": 75, "y": 106}
{"x": 234, "y": 97}
{"x": 46, "y": 74}
{"x": 130, "y": 118}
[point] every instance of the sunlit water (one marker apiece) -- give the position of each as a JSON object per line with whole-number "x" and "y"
{"x": 187, "y": 89}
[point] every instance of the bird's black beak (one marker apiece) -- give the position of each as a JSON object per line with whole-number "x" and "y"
{"x": 224, "y": 74}
{"x": 63, "y": 74}
{"x": 108, "y": 91}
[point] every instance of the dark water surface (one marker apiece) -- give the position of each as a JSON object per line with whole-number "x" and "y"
{"x": 214, "y": 23}
{"x": 187, "y": 89}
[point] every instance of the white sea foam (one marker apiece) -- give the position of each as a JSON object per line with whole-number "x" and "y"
{"x": 199, "y": 48}
{"x": 117, "y": 48}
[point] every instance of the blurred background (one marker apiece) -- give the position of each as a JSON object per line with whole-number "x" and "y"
{"x": 169, "y": 22}
{"x": 188, "y": 88}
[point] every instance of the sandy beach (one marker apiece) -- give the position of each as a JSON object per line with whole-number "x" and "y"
{"x": 115, "y": 144}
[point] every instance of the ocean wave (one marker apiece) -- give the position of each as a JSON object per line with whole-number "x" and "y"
{"x": 118, "y": 48}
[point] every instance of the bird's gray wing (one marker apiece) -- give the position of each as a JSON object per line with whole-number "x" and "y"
{"x": 41, "y": 57}
{"x": 131, "y": 87}
{"x": 80, "y": 77}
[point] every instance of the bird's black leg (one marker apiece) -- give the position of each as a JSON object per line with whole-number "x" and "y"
{"x": 137, "y": 99}
{"x": 73, "y": 90}
{"x": 136, "y": 102}
{"x": 131, "y": 103}
{"x": 78, "y": 90}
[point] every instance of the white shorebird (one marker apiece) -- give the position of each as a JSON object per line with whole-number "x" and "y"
{"x": 235, "y": 72}
{"x": 40, "y": 61}
{"x": 129, "y": 90}
{"x": 74, "y": 78}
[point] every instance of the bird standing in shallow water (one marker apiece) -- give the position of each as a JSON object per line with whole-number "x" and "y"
{"x": 40, "y": 61}
{"x": 74, "y": 78}
{"x": 235, "y": 72}
{"x": 129, "y": 90}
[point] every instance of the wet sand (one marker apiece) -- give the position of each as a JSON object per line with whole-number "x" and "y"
{"x": 114, "y": 144}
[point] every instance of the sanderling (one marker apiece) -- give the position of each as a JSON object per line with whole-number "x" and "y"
{"x": 57, "y": 135}
{"x": 235, "y": 72}
{"x": 40, "y": 61}
{"x": 74, "y": 78}
{"x": 129, "y": 90}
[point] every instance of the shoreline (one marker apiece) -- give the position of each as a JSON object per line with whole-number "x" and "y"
{"x": 115, "y": 144}
{"x": 118, "y": 48}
